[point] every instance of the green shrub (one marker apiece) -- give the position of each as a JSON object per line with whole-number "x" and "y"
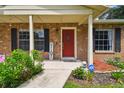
{"x": 78, "y": 73}
{"x": 116, "y": 62}
{"x": 10, "y": 74}
{"x": 117, "y": 75}
{"x": 17, "y": 68}
{"x": 117, "y": 57}
{"x": 37, "y": 55}
{"x": 38, "y": 68}
{"x": 110, "y": 61}
{"x": 22, "y": 57}
{"x": 89, "y": 76}
{"x": 120, "y": 65}
{"x": 25, "y": 74}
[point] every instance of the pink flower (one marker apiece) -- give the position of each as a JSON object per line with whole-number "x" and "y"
{"x": 2, "y": 58}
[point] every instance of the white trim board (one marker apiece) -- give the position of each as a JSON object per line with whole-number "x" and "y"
{"x": 75, "y": 41}
{"x": 45, "y": 12}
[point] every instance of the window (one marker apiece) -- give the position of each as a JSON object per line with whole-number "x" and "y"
{"x": 39, "y": 41}
{"x": 104, "y": 40}
{"x": 24, "y": 40}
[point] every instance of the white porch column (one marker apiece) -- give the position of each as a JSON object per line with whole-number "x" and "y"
{"x": 90, "y": 40}
{"x": 31, "y": 34}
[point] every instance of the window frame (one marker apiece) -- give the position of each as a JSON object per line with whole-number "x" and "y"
{"x": 27, "y": 30}
{"x": 113, "y": 40}
{"x": 22, "y": 30}
{"x": 39, "y": 30}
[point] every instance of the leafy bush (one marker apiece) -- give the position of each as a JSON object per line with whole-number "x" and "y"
{"x": 89, "y": 76}
{"x": 37, "y": 55}
{"x": 38, "y": 68}
{"x": 25, "y": 74}
{"x": 22, "y": 57}
{"x": 78, "y": 73}
{"x": 9, "y": 75}
{"x": 17, "y": 68}
{"x": 116, "y": 62}
{"x": 117, "y": 75}
{"x": 110, "y": 61}
{"x": 117, "y": 57}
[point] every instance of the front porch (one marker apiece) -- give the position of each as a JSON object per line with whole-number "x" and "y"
{"x": 24, "y": 22}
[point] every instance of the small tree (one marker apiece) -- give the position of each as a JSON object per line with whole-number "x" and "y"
{"x": 115, "y": 12}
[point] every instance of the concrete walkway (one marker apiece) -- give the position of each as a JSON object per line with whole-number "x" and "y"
{"x": 54, "y": 76}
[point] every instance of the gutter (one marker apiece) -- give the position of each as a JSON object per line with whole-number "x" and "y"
{"x": 109, "y": 21}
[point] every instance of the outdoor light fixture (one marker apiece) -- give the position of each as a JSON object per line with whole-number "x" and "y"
{"x": 10, "y": 24}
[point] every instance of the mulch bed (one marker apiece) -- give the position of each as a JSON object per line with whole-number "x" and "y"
{"x": 98, "y": 79}
{"x": 102, "y": 66}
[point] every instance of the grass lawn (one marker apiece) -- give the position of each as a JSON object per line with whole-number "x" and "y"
{"x": 71, "y": 84}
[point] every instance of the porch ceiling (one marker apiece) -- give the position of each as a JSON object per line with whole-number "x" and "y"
{"x": 49, "y": 14}
{"x": 44, "y": 19}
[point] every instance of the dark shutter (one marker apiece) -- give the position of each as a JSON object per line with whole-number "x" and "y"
{"x": 46, "y": 34}
{"x": 13, "y": 39}
{"x": 94, "y": 39}
{"x": 117, "y": 39}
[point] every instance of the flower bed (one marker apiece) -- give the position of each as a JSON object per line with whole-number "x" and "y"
{"x": 107, "y": 74}
{"x": 102, "y": 66}
{"x": 19, "y": 67}
{"x": 83, "y": 78}
{"x": 100, "y": 80}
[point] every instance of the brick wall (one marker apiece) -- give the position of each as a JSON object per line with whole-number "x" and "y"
{"x": 5, "y": 38}
{"x": 55, "y": 36}
{"x": 82, "y": 42}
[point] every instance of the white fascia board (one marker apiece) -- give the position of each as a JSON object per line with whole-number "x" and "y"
{"x": 47, "y": 12}
{"x": 109, "y": 21}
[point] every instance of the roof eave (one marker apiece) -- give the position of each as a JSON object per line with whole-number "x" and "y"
{"x": 109, "y": 21}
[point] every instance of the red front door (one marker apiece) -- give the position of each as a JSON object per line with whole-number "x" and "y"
{"x": 68, "y": 42}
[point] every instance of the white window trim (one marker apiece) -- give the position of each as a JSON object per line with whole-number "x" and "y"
{"x": 28, "y": 30}
{"x": 113, "y": 40}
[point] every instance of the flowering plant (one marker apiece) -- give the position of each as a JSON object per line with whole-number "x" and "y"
{"x": 45, "y": 55}
{"x": 2, "y": 58}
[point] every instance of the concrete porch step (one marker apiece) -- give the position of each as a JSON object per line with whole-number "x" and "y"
{"x": 61, "y": 65}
